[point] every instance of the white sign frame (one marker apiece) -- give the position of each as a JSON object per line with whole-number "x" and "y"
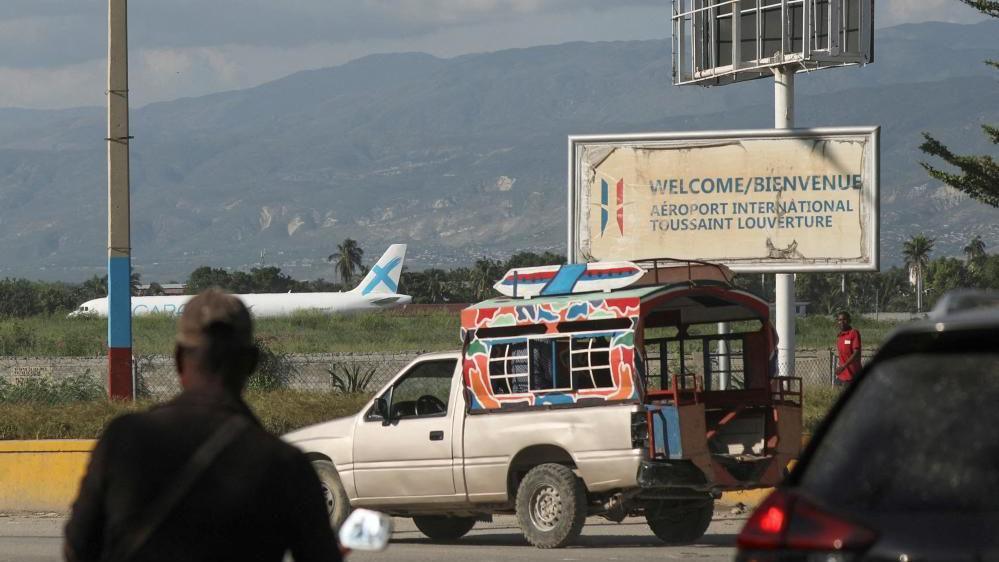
{"x": 869, "y": 258}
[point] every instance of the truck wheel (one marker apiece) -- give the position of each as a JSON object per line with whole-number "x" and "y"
{"x": 334, "y": 494}
{"x": 551, "y": 506}
{"x": 444, "y": 527}
{"x": 677, "y": 522}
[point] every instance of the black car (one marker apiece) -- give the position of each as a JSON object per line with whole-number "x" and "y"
{"x": 906, "y": 464}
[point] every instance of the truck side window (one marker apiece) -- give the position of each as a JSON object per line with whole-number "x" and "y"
{"x": 508, "y": 370}
{"x": 591, "y": 363}
{"x": 424, "y": 390}
{"x": 550, "y": 364}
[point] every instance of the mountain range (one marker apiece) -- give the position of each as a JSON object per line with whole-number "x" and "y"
{"x": 460, "y": 158}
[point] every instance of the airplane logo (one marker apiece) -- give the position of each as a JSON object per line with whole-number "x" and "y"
{"x": 382, "y": 275}
{"x": 605, "y": 205}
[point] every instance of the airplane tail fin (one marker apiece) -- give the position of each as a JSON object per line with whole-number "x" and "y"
{"x": 384, "y": 275}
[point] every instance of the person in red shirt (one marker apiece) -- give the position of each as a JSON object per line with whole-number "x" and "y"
{"x": 848, "y": 345}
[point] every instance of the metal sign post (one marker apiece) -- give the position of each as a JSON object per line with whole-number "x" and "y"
{"x": 784, "y": 305}
{"x": 119, "y": 251}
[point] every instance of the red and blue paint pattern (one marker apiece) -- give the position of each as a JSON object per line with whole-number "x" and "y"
{"x": 549, "y": 315}
{"x": 568, "y": 279}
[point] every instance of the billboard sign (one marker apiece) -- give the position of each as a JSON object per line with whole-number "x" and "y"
{"x": 772, "y": 201}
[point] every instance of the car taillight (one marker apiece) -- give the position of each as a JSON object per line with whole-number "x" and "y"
{"x": 787, "y": 521}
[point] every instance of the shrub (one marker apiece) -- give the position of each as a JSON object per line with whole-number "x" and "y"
{"x": 351, "y": 378}
{"x": 274, "y": 371}
{"x": 78, "y": 388}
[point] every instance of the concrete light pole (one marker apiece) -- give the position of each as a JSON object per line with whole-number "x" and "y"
{"x": 120, "y": 384}
{"x": 784, "y": 297}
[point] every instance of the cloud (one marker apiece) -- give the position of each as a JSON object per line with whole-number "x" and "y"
{"x": 166, "y": 73}
{"x": 53, "y": 33}
{"x": 894, "y": 12}
{"x": 54, "y": 50}
{"x": 72, "y": 85}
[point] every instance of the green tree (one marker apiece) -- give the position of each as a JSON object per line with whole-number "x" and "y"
{"x": 134, "y": 280}
{"x": 206, "y": 277}
{"x": 18, "y": 298}
{"x": 270, "y": 280}
{"x": 917, "y": 256}
{"x": 974, "y": 253}
{"x": 944, "y": 274}
{"x": 95, "y": 287}
{"x": 483, "y": 275}
{"x": 530, "y": 259}
{"x": 346, "y": 260}
{"x": 436, "y": 286}
{"x": 978, "y": 176}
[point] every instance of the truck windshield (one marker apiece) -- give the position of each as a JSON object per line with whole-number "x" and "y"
{"x": 918, "y": 434}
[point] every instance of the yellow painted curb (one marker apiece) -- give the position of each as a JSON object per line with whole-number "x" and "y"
{"x": 750, "y": 498}
{"x": 42, "y": 475}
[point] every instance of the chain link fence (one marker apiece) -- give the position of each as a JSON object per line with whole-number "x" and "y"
{"x": 155, "y": 376}
{"x": 817, "y": 367}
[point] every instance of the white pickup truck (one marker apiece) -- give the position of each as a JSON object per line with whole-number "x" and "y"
{"x": 558, "y": 407}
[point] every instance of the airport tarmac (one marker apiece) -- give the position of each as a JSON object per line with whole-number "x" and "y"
{"x": 38, "y": 538}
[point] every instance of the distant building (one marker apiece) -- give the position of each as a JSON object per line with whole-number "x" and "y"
{"x": 170, "y": 289}
{"x": 800, "y": 309}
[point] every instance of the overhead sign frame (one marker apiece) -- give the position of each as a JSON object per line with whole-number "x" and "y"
{"x": 781, "y": 258}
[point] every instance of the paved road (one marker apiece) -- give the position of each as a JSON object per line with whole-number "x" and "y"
{"x": 37, "y": 538}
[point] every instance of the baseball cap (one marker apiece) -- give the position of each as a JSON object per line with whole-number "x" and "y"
{"x": 213, "y": 316}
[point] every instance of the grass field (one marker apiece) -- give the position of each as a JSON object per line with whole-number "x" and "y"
{"x": 314, "y": 333}
{"x": 302, "y": 333}
{"x": 280, "y": 411}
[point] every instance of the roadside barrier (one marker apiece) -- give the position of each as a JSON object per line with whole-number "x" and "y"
{"x": 41, "y": 475}
{"x": 45, "y": 475}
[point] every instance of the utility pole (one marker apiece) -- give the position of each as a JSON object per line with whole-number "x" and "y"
{"x": 120, "y": 383}
{"x": 784, "y": 297}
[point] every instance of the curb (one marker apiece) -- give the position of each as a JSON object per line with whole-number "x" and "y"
{"x": 42, "y": 475}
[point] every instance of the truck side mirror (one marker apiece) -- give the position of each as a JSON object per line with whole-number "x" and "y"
{"x": 381, "y": 408}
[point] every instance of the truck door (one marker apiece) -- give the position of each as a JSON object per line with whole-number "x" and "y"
{"x": 407, "y": 454}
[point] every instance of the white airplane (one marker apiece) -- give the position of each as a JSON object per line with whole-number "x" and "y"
{"x": 378, "y": 290}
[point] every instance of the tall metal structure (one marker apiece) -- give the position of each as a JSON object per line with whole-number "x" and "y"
{"x": 120, "y": 383}
{"x": 723, "y": 41}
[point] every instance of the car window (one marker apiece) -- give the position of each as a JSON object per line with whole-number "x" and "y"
{"x": 918, "y": 434}
{"x": 424, "y": 390}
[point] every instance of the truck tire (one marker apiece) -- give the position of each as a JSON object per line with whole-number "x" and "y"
{"x": 334, "y": 494}
{"x": 680, "y": 522}
{"x": 551, "y": 506}
{"x": 444, "y": 527}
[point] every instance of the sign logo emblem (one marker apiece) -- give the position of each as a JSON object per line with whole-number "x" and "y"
{"x": 605, "y": 205}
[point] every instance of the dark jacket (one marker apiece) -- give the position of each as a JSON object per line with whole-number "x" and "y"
{"x": 259, "y": 499}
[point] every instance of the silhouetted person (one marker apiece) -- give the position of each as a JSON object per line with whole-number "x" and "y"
{"x": 198, "y": 478}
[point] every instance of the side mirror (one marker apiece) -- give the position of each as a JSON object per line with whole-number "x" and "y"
{"x": 366, "y": 530}
{"x": 381, "y": 408}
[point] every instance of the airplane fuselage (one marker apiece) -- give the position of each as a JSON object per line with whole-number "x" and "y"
{"x": 262, "y": 305}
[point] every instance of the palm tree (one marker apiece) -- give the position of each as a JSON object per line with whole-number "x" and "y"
{"x": 974, "y": 252}
{"x": 346, "y": 260}
{"x": 483, "y": 275}
{"x": 917, "y": 256}
{"x": 134, "y": 281}
{"x": 96, "y": 287}
{"x": 436, "y": 285}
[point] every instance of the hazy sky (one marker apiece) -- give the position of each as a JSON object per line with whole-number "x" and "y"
{"x": 53, "y": 51}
